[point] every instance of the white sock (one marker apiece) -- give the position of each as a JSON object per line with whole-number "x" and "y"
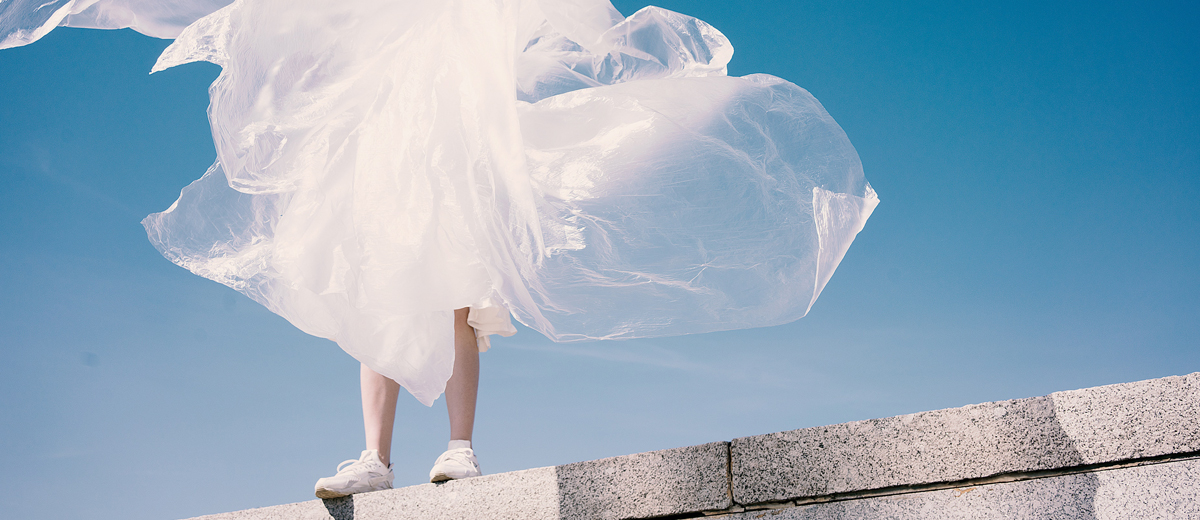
{"x": 454, "y": 445}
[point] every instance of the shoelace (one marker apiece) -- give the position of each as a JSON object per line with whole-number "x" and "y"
{"x": 461, "y": 456}
{"x": 347, "y": 464}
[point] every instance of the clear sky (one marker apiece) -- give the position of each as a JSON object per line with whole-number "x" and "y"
{"x": 1039, "y": 170}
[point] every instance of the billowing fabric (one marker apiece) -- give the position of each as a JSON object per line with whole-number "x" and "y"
{"x": 24, "y": 21}
{"x": 383, "y": 162}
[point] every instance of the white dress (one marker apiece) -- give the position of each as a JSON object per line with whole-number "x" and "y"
{"x": 381, "y": 163}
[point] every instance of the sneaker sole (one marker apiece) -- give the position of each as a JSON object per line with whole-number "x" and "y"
{"x": 442, "y": 477}
{"x": 325, "y": 494}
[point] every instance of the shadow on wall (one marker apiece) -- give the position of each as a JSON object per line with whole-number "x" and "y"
{"x": 1076, "y": 498}
{"x": 1025, "y": 434}
{"x": 1030, "y": 435}
{"x": 340, "y": 508}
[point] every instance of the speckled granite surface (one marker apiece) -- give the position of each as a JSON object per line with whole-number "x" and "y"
{"x": 529, "y": 494}
{"x": 1155, "y": 492}
{"x": 1064, "y": 429}
{"x": 658, "y": 483}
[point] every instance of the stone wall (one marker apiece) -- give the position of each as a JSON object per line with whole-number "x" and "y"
{"x": 1120, "y": 451}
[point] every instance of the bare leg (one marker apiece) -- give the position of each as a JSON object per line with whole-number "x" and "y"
{"x": 463, "y": 386}
{"x": 379, "y": 395}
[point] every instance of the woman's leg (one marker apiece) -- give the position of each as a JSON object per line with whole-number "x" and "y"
{"x": 379, "y": 414}
{"x": 463, "y": 386}
{"x": 379, "y": 395}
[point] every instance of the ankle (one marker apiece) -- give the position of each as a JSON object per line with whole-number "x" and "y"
{"x": 459, "y": 444}
{"x": 384, "y": 458}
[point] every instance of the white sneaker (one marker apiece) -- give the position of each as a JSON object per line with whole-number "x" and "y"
{"x": 356, "y": 476}
{"x": 454, "y": 464}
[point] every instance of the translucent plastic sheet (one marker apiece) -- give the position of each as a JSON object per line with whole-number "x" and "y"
{"x": 381, "y": 163}
{"x": 24, "y": 21}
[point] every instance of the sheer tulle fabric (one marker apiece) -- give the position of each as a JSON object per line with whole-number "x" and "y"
{"x": 381, "y": 163}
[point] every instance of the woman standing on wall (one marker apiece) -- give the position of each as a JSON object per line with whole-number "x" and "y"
{"x": 400, "y": 176}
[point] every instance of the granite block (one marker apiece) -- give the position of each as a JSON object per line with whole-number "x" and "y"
{"x": 1132, "y": 420}
{"x": 1065, "y": 429}
{"x": 657, "y": 483}
{"x": 1169, "y": 491}
{"x": 519, "y": 495}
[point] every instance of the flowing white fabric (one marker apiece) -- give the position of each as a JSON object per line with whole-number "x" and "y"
{"x": 383, "y": 162}
{"x": 24, "y": 21}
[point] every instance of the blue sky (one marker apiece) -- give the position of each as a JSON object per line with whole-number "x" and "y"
{"x": 1039, "y": 170}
